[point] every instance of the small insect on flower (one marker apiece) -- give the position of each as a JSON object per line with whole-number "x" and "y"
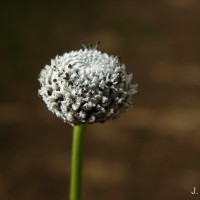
{"x": 86, "y": 86}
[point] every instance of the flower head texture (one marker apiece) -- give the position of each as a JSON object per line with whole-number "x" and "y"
{"x": 86, "y": 86}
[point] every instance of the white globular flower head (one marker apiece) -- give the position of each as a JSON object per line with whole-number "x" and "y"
{"x": 86, "y": 86}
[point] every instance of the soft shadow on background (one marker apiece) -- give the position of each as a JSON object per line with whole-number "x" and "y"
{"x": 153, "y": 150}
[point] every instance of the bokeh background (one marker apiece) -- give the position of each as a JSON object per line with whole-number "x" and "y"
{"x": 153, "y": 150}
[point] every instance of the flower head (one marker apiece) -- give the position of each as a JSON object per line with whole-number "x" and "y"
{"x": 86, "y": 86}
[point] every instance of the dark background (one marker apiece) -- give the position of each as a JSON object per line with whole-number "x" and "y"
{"x": 153, "y": 150}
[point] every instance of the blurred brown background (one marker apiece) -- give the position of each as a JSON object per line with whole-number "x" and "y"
{"x": 153, "y": 150}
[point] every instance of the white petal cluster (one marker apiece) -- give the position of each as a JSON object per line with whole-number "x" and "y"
{"x": 86, "y": 86}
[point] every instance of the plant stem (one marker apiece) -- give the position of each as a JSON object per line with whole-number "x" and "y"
{"x": 76, "y": 162}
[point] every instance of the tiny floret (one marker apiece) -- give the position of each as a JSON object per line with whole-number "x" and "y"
{"x": 86, "y": 86}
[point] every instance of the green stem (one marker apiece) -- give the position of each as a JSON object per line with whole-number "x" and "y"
{"x": 76, "y": 162}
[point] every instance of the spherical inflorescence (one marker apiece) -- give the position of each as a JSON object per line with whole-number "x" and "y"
{"x": 86, "y": 86}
